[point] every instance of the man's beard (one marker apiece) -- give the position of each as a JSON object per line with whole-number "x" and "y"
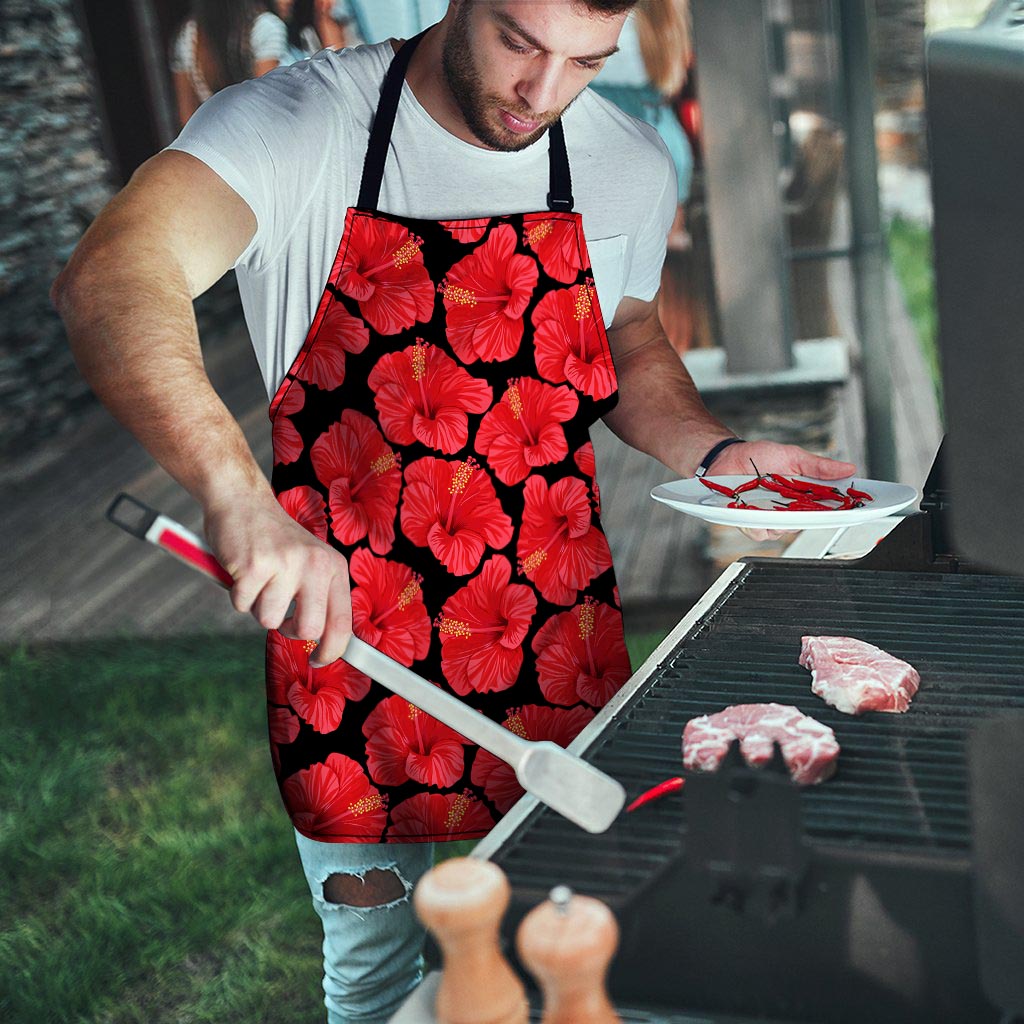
{"x": 465, "y": 85}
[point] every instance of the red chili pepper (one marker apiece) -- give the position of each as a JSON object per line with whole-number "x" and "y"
{"x": 656, "y": 793}
{"x": 790, "y": 492}
{"x": 863, "y": 495}
{"x": 749, "y": 485}
{"x": 720, "y": 488}
{"x": 806, "y": 505}
{"x": 808, "y": 487}
{"x": 793, "y": 485}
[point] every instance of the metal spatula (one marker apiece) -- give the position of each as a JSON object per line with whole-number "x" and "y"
{"x": 567, "y": 784}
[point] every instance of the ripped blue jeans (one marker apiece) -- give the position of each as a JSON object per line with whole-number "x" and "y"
{"x": 372, "y": 954}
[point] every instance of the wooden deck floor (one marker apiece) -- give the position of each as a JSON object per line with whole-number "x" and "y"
{"x": 70, "y": 574}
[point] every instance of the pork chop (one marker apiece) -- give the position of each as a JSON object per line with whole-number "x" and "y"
{"x": 855, "y": 677}
{"x": 809, "y": 748}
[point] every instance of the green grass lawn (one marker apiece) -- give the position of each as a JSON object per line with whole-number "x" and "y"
{"x": 149, "y": 870}
{"x": 910, "y": 247}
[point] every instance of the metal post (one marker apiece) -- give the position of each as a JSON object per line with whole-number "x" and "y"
{"x": 748, "y": 237}
{"x": 868, "y": 240}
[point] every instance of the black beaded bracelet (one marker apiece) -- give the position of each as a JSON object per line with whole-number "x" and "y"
{"x": 705, "y": 463}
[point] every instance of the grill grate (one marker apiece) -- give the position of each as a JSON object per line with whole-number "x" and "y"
{"x": 902, "y": 779}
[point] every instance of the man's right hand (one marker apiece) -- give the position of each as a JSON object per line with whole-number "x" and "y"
{"x": 275, "y": 561}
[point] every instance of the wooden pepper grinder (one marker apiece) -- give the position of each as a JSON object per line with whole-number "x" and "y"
{"x": 462, "y": 902}
{"x": 567, "y": 942}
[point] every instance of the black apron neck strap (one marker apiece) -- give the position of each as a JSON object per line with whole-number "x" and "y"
{"x": 560, "y": 194}
{"x": 383, "y": 122}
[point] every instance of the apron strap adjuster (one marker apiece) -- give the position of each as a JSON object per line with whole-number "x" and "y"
{"x": 561, "y": 204}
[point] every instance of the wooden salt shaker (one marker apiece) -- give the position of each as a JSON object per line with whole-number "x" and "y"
{"x": 567, "y": 943}
{"x": 462, "y": 902}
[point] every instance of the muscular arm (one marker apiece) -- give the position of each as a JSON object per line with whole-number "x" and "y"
{"x": 126, "y": 300}
{"x": 660, "y": 411}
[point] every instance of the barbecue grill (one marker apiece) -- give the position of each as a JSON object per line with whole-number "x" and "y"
{"x": 743, "y": 895}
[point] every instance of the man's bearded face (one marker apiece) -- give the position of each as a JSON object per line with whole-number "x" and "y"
{"x": 480, "y": 104}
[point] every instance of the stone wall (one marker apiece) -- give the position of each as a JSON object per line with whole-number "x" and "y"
{"x": 54, "y": 178}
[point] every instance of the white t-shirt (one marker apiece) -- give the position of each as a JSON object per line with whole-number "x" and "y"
{"x": 292, "y": 144}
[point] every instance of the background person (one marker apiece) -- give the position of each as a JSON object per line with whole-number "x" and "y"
{"x": 647, "y": 75}
{"x": 313, "y": 25}
{"x": 224, "y": 42}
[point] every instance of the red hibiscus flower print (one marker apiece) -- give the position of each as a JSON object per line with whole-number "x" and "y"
{"x": 554, "y": 241}
{"x": 533, "y": 722}
{"x": 307, "y": 508}
{"x": 318, "y": 695}
{"x": 422, "y": 394}
{"x": 483, "y": 627}
{"x": 486, "y": 294}
{"x": 586, "y": 463}
{"x": 466, "y": 230}
{"x": 524, "y": 429}
{"x": 581, "y": 655}
{"x": 451, "y": 508}
{"x": 340, "y": 332}
{"x": 559, "y": 549}
{"x": 387, "y": 607}
{"x": 567, "y": 341}
{"x": 287, "y": 442}
{"x": 363, "y": 477}
{"x": 284, "y": 726}
{"x": 334, "y": 800}
{"x": 404, "y": 743}
{"x": 439, "y": 816}
{"x": 383, "y": 271}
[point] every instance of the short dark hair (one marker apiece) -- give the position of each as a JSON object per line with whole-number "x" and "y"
{"x": 609, "y": 6}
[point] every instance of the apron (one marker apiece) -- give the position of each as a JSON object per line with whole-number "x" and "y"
{"x": 434, "y": 428}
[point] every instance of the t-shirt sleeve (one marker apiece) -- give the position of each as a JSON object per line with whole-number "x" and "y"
{"x": 269, "y": 38}
{"x": 649, "y": 251}
{"x": 268, "y": 139}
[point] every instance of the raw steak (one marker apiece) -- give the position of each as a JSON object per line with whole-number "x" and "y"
{"x": 809, "y": 748}
{"x": 855, "y": 677}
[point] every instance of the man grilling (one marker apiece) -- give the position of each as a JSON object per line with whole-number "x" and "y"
{"x": 449, "y": 254}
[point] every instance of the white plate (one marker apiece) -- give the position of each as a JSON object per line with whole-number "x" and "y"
{"x": 693, "y": 498}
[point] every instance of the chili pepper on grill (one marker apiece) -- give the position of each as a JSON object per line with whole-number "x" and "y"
{"x": 720, "y": 488}
{"x": 656, "y": 793}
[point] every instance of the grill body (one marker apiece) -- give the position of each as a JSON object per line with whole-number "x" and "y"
{"x": 747, "y": 896}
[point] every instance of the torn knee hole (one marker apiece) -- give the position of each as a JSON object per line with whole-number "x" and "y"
{"x": 374, "y": 889}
